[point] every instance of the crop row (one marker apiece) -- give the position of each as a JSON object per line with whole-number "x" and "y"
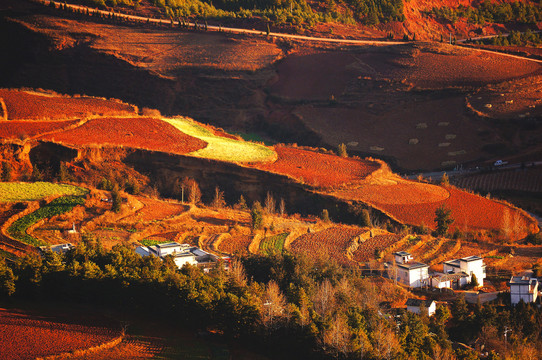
{"x": 235, "y": 244}
{"x": 529, "y": 180}
{"x": 273, "y": 244}
{"x": 58, "y": 206}
{"x": 367, "y": 250}
{"x": 333, "y": 241}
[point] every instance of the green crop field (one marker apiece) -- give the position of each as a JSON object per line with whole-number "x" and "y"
{"x": 221, "y": 148}
{"x": 20, "y": 191}
{"x": 58, "y": 206}
{"x": 274, "y": 244}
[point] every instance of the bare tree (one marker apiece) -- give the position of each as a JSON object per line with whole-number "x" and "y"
{"x": 237, "y": 274}
{"x": 337, "y": 337}
{"x": 324, "y": 298}
{"x": 269, "y": 204}
{"x": 194, "y": 193}
{"x": 282, "y": 207}
{"x": 273, "y": 305}
{"x": 218, "y": 201}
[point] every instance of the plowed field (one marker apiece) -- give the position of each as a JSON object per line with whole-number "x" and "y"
{"x": 23, "y": 336}
{"x": 142, "y": 133}
{"x": 24, "y": 129}
{"x": 25, "y": 105}
{"x": 333, "y": 242}
{"x": 237, "y": 244}
{"x": 316, "y": 169}
{"x": 366, "y": 251}
{"x": 470, "y": 212}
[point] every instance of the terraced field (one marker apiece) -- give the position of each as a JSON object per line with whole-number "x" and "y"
{"x": 221, "y": 147}
{"x": 33, "y": 105}
{"x": 236, "y": 244}
{"x": 23, "y": 191}
{"x": 136, "y": 132}
{"x": 366, "y": 251}
{"x": 273, "y": 244}
{"x": 332, "y": 242}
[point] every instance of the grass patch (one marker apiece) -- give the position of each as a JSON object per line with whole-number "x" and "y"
{"x": 221, "y": 148}
{"x": 274, "y": 244}
{"x": 59, "y": 206}
{"x": 150, "y": 242}
{"x": 19, "y": 191}
{"x": 255, "y": 138}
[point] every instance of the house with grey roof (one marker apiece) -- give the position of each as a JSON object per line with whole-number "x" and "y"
{"x": 523, "y": 288}
{"x": 409, "y": 272}
{"x": 416, "y": 306}
{"x": 470, "y": 265}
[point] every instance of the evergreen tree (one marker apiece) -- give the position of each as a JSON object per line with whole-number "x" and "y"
{"x": 257, "y": 216}
{"x": 443, "y": 219}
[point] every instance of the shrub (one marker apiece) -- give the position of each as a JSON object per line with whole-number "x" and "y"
{"x": 341, "y": 150}
{"x": 257, "y": 216}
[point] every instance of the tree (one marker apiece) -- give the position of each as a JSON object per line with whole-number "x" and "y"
{"x": 6, "y": 171}
{"x": 474, "y": 281}
{"x": 269, "y": 204}
{"x": 257, "y": 216}
{"x": 7, "y": 279}
{"x": 218, "y": 201}
{"x": 325, "y": 216}
{"x": 194, "y": 193}
{"x": 365, "y": 218}
{"x": 63, "y": 175}
{"x": 241, "y": 204}
{"x": 445, "y": 180}
{"x": 341, "y": 150}
{"x": 443, "y": 219}
{"x": 116, "y": 198}
{"x": 282, "y": 207}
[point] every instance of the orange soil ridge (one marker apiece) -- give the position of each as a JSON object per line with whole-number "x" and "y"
{"x": 16, "y": 129}
{"x": 316, "y": 169}
{"x": 142, "y": 133}
{"x": 30, "y": 105}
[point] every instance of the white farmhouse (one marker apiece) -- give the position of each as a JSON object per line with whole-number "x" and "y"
{"x": 523, "y": 288}
{"x": 182, "y": 254}
{"x": 415, "y": 306}
{"x": 471, "y": 265}
{"x": 409, "y": 272}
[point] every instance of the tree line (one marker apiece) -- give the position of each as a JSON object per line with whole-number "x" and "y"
{"x": 488, "y": 12}
{"x": 298, "y": 13}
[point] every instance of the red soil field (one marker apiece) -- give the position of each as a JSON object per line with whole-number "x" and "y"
{"x": 131, "y": 348}
{"x": 470, "y": 212}
{"x": 23, "y": 129}
{"x": 157, "y": 210}
{"x": 333, "y": 242}
{"x": 366, "y": 251}
{"x": 318, "y": 170}
{"x": 41, "y": 106}
{"x": 142, "y": 133}
{"x": 23, "y": 336}
{"x": 237, "y": 244}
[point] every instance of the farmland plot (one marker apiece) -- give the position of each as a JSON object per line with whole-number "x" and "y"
{"x": 221, "y": 147}
{"x": 333, "y": 241}
{"x": 20, "y": 191}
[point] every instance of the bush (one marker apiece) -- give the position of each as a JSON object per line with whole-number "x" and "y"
{"x": 535, "y": 239}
